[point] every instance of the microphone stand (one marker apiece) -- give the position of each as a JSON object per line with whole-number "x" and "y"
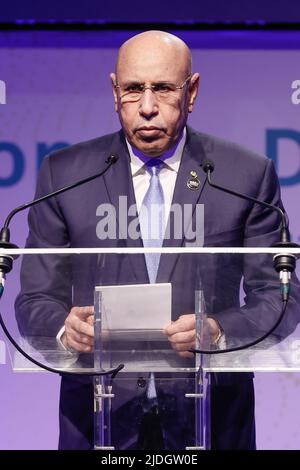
{"x": 6, "y": 265}
{"x": 284, "y": 264}
{"x": 6, "y": 262}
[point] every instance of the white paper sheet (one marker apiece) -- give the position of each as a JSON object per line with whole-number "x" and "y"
{"x": 136, "y": 307}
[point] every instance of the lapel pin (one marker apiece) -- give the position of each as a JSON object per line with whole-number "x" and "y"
{"x": 193, "y": 182}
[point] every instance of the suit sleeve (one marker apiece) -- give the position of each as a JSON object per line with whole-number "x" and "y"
{"x": 46, "y": 280}
{"x": 263, "y": 303}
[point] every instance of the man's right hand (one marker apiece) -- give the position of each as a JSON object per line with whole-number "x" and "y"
{"x": 79, "y": 330}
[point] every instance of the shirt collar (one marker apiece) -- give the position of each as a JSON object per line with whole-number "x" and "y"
{"x": 171, "y": 158}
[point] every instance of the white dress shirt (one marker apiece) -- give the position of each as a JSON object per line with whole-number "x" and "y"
{"x": 167, "y": 175}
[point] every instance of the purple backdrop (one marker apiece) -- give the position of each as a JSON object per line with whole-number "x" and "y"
{"x": 215, "y": 10}
{"x": 58, "y": 91}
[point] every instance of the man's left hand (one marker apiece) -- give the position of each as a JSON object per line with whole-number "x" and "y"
{"x": 182, "y": 333}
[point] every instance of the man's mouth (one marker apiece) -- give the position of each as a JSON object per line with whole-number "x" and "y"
{"x": 148, "y": 131}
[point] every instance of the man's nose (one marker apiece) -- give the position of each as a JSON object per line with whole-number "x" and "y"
{"x": 148, "y": 104}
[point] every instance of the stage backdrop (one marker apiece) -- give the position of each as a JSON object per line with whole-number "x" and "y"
{"x": 58, "y": 93}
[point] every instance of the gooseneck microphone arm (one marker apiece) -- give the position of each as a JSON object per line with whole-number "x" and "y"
{"x": 5, "y": 234}
{"x": 208, "y": 168}
{"x": 6, "y": 261}
{"x": 284, "y": 264}
{"x": 6, "y": 264}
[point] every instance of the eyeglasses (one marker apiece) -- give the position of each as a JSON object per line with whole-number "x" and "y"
{"x": 164, "y": 91}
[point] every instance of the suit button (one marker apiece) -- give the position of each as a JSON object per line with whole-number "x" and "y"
{"x": 141, "y": 382}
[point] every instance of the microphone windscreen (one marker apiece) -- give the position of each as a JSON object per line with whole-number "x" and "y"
{"x": 208, "y": 166}
{"x": 112, "y": 159}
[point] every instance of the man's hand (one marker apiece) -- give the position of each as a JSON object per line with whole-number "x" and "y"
{"x": 182, "y": 333}
{"x": 79, "y": 330}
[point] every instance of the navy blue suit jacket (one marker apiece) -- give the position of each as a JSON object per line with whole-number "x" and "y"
{"x": 70, "y": 220}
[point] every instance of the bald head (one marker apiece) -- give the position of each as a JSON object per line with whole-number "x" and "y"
{"x": 154, "y": 90}
{"x": 156, "y": 46}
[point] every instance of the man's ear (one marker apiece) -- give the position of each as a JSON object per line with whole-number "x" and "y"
{"x": 193, "y": 90}
{"x": 113, "y": 83}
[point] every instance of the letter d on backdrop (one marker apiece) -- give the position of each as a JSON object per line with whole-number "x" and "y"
{"x": 273, "y": 138}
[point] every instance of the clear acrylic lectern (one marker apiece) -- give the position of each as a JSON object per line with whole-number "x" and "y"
{"x": 141, "y": 375}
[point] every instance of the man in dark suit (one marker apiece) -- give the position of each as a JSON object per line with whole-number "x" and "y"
{"x": 154, "y": 90}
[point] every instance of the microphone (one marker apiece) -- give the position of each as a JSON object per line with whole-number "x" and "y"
{"x": 284, "y": 264}
{"x": 6, "y": 261}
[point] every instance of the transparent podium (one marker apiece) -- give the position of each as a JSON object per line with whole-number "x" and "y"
{"x": 154, "y": 356}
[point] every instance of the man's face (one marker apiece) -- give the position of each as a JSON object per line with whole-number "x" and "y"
{"x": 154, "y": 122}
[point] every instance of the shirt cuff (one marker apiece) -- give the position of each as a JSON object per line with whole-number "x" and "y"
{"x": 220, "y": 341}
{"x": 60, "y": 344}
{"x": 58, "y": 339}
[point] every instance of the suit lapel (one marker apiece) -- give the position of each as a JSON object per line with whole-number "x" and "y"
{"x": 192, "y": 157}
{"x": 118, "y": 184}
